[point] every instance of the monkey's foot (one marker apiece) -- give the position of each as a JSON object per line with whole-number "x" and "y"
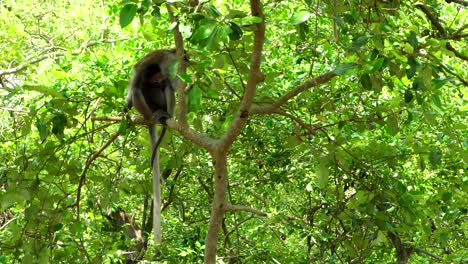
{"x": 162, "y": 116}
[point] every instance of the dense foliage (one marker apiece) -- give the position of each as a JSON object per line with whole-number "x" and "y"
{"x": 355, "y": 149}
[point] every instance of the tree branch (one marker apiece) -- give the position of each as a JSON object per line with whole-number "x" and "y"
{"x": 236, "y": 208}
{"x": 461, "y": 2}
{"x": 268, "y": 109}
{"x": 90, "y": 159}
{"x": 455, "y": 52}
{"x": 7, "y": 223}
{"x": 198, "y": 138}
{"x": 434, "y": 20}
{"x": 182, "y": 115}
{"x": 255, "y": 77}
{"x": 85, "y": 45}
{"x": 422, "y": 251}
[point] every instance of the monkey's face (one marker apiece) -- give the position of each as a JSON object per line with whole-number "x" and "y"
{"x": 157, "y": 78}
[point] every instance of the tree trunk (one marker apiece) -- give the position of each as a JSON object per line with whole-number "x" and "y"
{"x": 218, "y": 207}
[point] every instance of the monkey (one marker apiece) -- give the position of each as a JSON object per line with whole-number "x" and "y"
{"x": 151, "y": 91}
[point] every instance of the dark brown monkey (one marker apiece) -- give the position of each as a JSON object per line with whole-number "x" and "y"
{"x": 152, "y": 91}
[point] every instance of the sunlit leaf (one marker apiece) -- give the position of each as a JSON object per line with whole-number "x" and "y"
{"x": 322, "y": 176}
{"x": 212, "y": 11}
{"x": 43, "y": 130}
{"x": 212, "y": 40}
{"x": 127, "y": 14}
{"x": 343, "y": 68}
{"x": 300, "y": 17}
{"x": 377, "y": 65}
{"x": 437, "y": 104}
{"x": 392, "y": 125}
{"x": 203, "y": 31}
{"x": 439, "y": 83}
{"x": 194, "y": 96}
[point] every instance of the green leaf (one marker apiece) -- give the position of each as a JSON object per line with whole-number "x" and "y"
{"x": 322, "y": 176}
{"x": 366, "y": 81}
{"x": 408, "y": 96}
{"x": 186, "y": 78}
{"x": 464, "y": 155}
{"x": 300, "y": 17}
{"x": 358, "y": 43}
{"x": 43, "y": 89}
{"x": 233, "y": 13}
{"x": 343, "y": 68}
{"x": 43, "y": 130}
{"x": 435, "y": 156}
{"x": 127, "y": 14}
{"x": 392, "y": 125}
{"x": 156, "y": 13}
{"x": 426, "y": 76}
{"x": 421, "y": 163}
{"x": 59, "y": 123}
{"x": 203, "y": 31}
{"x": 123, "y": 126}
{"x": 236, "y": 31}
{"x": 57, "y": 227}
{"x": 223, "y": 32}
{"x": 250, "y": 20}
{"x": 438, "y": 83}
{"x": 413, "y": 66}
{"x": 76, "y": 228}
{"x": 377, "y": 64}
{"x": 212, "y": 11}
{"x": 446, "y": 196}
{"x": 437, "y": 104}
{"x": 380, "y": 239}
{"x": 292, "y": 141}
{"x": 194, "y": 98}
{"x": 212, "y": 39}
{"x": 173, "y": 65}
{"x": 413, "y": 40}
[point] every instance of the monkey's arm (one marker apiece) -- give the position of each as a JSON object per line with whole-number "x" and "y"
{"x": 129, "y": 99}
{"x": 138, "y": 100}
{"x": 169, "y": 93}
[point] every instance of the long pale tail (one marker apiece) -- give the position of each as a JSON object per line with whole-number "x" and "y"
{"x": 156, "y": 186}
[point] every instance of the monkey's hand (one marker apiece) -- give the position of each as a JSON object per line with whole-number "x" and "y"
{"x": 162, "y": 116}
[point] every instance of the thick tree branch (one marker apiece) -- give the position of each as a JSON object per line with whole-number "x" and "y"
{"x": 455, "y": 52}
{"x": 438, "y": 26}
{"x": 255, "y": 76}
{"x": 434, "y": 20}
{"x": 461, "y": 2}
{"x": 182, "y": 115}
{"x": 199, "y": 139}
{"x": 219, "y": 153}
